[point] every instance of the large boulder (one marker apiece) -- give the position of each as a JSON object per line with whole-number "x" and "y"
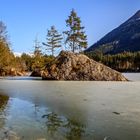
{"x": 16, "y": 72}
{"x": 74, "y": 66}
{"x": 12, "y": 72}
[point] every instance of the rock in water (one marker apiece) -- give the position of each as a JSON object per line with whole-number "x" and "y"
{"x": 74, "y": 66}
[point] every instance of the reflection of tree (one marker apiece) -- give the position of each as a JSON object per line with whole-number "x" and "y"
{"x": 54, "y": 122}
{"x": 75, "y": 130}
{"x": 72, "y": 128}
{"x": 3, "y": 102}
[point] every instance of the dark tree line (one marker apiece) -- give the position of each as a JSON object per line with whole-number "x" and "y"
{"x": 123, "y": 62}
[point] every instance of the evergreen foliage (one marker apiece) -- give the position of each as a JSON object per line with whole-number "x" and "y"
{"x": 27, "y": 60}
{"x": 3, "y": 32}
{"x": 53, "y": 40}
{"x": 123, "y": 62}
{"x": 37, "y": 48}
{"x": 6, "y": 56}
{"x": 76, "y": 37}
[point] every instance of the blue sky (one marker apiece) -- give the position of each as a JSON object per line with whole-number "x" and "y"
{"x": 27, "y": 18}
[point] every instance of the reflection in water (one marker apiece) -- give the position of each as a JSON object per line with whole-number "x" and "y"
{"x": 39, "y": 120}
{"x": 73, "y": 110}
{"x": 3, "y": 101}
{"x": 76, "y": 130}
{"x": 55, "y": 123}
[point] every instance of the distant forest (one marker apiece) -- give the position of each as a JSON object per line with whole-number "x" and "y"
{"x": 123, "y": 62}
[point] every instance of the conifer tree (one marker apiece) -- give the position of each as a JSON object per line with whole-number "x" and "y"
{"x": 53, "y": 40}
{"x": 37, "y": 62}
{"x": 3, "y": 32}
{"x": 6, "y": 56}
{"x": 76, "y": 37}
{"x": 37, "y": 48}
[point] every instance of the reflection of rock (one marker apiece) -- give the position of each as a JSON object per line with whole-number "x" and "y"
{"x": 72, "y": 66}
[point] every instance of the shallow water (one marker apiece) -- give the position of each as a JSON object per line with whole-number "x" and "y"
{"x": 132, "y": 76}
{"x": 58, "y": 110}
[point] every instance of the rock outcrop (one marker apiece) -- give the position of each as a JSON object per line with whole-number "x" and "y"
{"x": 15, "y": 72}
{"x": 12, "y": 72}
{"x": 74, "y": 66}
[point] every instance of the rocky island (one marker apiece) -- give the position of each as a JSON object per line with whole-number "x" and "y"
{"x": 75, "y": 66}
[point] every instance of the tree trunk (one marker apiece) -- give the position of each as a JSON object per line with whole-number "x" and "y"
{"x": 73, "y": 46}
{"x": 52, "y": 52}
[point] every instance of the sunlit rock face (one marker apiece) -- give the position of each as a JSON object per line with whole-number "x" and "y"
{"x": 12, "y": 72}
{"x": 74, "y": 66}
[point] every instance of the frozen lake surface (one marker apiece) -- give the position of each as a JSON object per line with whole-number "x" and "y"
{"x": 59, "y": 110}
{"x": 132, "y": 76}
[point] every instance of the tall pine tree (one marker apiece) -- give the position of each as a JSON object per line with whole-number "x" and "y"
{"x": 53, "y": 40}
{"x": 3, "y": 32}
{"x": 37, "y": 48}
{"x": 6, "y": 56}
{"x": 37, "y": 61}
{"x": 76, "y": 37}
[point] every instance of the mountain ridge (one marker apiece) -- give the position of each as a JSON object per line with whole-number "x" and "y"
{"x": 125, "y": 37}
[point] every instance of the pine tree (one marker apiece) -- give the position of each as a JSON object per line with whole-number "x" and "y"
{"x": 5, "y": 53}
{"x": 76, "y": 37}
{"x": 3, "y": 32}
{"x": 7, "y": 59}
{"x": 37, "y": 48}
{"x": 53, "y": 40}
{"x": 37, "y": 62}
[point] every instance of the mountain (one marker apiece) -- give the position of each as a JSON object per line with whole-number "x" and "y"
{"x": 125, "y": 38}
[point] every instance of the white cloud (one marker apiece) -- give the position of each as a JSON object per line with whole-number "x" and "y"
{"x": 17, "y": 54}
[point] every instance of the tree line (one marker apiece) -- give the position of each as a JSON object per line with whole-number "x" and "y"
{"x": 123, "y": 62}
